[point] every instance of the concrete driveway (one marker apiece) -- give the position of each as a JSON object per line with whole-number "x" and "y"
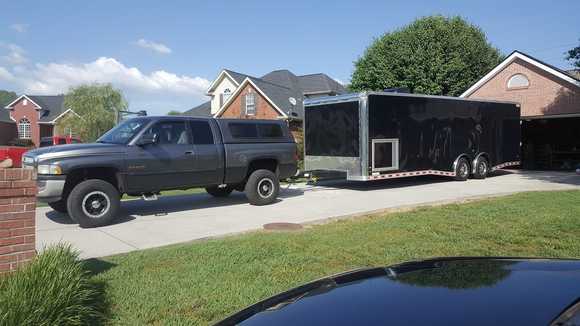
{"x": 178, "y": 219}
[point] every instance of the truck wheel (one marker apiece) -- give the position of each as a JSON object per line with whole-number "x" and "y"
{"x": 481, "y": 168}
{"x": 262, "y": 187}
{"x": 93, "y": 203}
{"x": 59, "y": 206}
{"x": 462, "y": 170}
{"x": 219, "y": 192}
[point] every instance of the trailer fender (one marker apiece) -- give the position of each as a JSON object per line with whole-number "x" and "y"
{"x": 457, "y": 160}
{"x": 474, "y": 162}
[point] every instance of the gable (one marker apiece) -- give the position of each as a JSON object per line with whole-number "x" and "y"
{"x": 538, "y": 91}
{"x": 557, "y": 73}
{"x": 235, "y": 108}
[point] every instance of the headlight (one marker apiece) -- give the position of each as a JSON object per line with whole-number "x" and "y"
{"x": 49, "y": 169}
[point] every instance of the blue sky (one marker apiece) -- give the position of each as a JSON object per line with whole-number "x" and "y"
{"x": 163, "y": 54}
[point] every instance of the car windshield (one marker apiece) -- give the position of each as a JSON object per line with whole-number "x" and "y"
{"x": 124, "y": 132}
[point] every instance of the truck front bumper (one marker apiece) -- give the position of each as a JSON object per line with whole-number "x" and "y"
{"x": 50, "y": 188}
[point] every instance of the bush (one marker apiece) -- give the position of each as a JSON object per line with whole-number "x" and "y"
{"x": 53, "y": 289}
{"x": 21, "y": 142}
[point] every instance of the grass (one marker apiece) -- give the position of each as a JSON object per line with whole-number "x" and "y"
{"x": 204, "y": 281}
{"x": 54, "y": 289}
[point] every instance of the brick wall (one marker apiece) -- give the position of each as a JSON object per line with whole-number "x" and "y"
{"x": 546, "y": 94}
{"x": 30, "y": 112}
{"x": 17, "y": 218}
{"x": 264, "y": 110}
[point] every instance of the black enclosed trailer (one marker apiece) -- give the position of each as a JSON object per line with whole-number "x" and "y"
{"x": 375, "y": 135}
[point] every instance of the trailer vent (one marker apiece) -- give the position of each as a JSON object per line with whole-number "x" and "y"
{"x": 385, "y": 154}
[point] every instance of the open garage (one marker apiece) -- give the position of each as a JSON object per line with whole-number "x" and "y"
{"x": 549, "y": 101}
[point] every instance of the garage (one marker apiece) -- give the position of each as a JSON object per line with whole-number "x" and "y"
{"x": 549, "y": 100}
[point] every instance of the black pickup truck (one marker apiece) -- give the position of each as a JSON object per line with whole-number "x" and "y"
{"x": 146, "y": 155}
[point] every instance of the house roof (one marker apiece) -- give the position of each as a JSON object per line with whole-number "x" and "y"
{"x": 279, "y": 86}
{"x": 5, "y": 116}
{"x": 51, "y": 107}
{"x": 202, "y": 110}
{"x": 559, "y": 73}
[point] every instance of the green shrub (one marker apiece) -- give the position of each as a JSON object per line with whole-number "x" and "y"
{"x": 54, "y": 289}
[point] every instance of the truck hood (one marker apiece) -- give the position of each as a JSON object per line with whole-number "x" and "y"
{"x": 73, "y": 150}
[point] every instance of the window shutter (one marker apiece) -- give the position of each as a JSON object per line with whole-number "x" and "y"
{"x": 221, "y": 100}
{"x": 243, "y": 108}
{"x": 256, "y": 97}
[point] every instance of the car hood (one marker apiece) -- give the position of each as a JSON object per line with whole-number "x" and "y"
{"x": 465, "y": 291}
{"x": 73, "y": 150}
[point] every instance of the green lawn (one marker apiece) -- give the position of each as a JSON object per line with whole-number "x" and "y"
{"x": 204, "y": 281}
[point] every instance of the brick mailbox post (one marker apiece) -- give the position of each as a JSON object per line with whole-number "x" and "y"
{"x": 17, "y": 218}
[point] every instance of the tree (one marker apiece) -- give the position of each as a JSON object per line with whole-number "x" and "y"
{"x": 6, "y": 97}
{"x": 174, "y": 112}
{"x": 97, "y": 106}
{"x": 574, "y": 56}
{"x": 433, "y": 55}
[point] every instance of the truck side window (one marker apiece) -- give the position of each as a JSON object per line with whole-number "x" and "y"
{"x": 171, "y": 132}
{"x": 243, "y": 130}
{"x": 201, "y": 131}
{"x": 270, "y": 130}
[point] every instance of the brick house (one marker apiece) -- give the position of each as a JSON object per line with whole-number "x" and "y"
{"x": 550, "y": 108}
{"x": 33, "y": 117}
{"x": 276, "y": 95}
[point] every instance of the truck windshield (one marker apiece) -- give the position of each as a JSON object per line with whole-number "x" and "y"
{"x": 124, "y": 132}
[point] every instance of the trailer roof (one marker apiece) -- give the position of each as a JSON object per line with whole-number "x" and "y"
{"x": 356, "y": 96}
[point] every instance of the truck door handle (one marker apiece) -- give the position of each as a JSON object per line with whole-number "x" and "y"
{"x": 189, "y": 153}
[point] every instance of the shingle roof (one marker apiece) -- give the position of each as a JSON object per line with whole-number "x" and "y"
{"x": 52, "y": 106}
{"x": 202, "y": 110}
{"x": 5, "y": 115}
{"x": 279, "y": 86}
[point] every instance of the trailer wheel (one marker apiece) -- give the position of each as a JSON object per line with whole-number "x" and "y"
{"x": 219, "y": 192}
{"x": 462, "y": 170}
{"x": 93, "y": 203}
{"x": 262, "y": 187}
{"x": 481, "y": 168}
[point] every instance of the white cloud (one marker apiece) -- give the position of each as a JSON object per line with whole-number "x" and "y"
{"x": 20, "y": 28}
{"x": 5, "y": 74}
{"x": 16, "y": 55}
{"x": 157, "y": 47}
{"x": 156, "y": 87}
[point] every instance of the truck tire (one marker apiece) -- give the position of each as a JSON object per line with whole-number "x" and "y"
{"x": 462, "y": 169}
{"x": 481, "y": 168}
{"x": 93, "y": 203}
{"x": 59, "y": 206}
{"x": 219, "y": 192}
{"x": 262, "y": 187}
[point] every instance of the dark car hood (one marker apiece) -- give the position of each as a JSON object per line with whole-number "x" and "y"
{"x": 71, "y": 150}
{"x": 434, "y": 292}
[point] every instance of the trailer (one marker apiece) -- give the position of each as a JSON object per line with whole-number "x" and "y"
{"x": 379, "y": 135}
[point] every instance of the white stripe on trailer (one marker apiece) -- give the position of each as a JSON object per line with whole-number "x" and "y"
{"x": 503, "y": 165}
{"x": 410, "y": 174}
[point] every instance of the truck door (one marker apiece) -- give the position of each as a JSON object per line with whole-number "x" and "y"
{"x": 167, "y": 163}
{"x": 209, "y": 161}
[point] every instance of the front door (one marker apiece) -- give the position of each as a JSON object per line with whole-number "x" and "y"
{"x": 166, "y": 164}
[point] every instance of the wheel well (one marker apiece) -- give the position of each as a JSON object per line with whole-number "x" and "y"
{"x": 469, "y": 161}
{"x": 266, "y": 164}
{"x": 474, "y": 161}
{"x": 79, "y": 175}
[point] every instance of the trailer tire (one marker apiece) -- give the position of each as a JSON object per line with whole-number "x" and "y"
{"x": 462, "y": 169}
{"x": 93, "y": 203}
{"x": 59, "y": 206}
{"x": 481, "y": 168}
{"x": 219, "y": 192}
{"x": 262, "y": 187}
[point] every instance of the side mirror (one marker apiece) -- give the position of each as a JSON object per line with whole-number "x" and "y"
{"x": 147, "y": 139}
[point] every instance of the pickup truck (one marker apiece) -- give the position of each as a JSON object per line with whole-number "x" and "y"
{"x": 146, "y": 155}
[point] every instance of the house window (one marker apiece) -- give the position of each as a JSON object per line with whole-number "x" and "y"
{"x": 250, "y": 104}
{"x": 24, "y": 129}
{"x": 227, "y": 94}
{"x": 518, "y": 81}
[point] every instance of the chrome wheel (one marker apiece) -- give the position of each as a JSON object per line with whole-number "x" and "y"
{"x": 464, "y": 170}
{"x": 96, "y": 204}
{"x": 265, "y": 188}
